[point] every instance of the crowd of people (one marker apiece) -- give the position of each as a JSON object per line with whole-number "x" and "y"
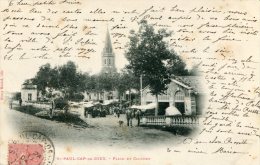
{"x": 101, "y": 110}
{"x": 131, "y": 114}
{"x": 115, "y": 110}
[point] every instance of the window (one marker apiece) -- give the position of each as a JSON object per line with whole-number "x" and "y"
{"x": 109, "y": 61}
{"x": 105, "y": 61}
{"x": 179, "y": 96}
{"x": 29, "y": 97}
{"x": 193, "y": 104}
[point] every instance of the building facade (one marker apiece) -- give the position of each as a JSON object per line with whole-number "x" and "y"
{"x": 98, "y": 96}
{"x": 29, "y": 92}
{"x": 184, "y": 93}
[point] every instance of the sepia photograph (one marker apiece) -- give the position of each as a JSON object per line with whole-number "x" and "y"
{"x": 129, "y": 82}
{"x": 154, "y": 95}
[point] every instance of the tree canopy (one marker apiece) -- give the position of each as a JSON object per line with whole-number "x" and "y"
{"x": 46, "y": 77}
{"x": 65, "y": 78}
{"x": 71, "y": 81}
{"x": 146, "y": 54}
{"x": 149, "y": 55}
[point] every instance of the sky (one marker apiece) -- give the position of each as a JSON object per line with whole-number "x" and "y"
{"x": 17, "y": 71}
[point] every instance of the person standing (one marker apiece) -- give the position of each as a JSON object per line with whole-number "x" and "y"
{"x": 138, "y": 116}
{"x": 118, "y": 112}
{"x": 129, "y": 117}
{"x": 20, "y": 102}
{"x": 11, "y": 103}
{"x": 114, "y": 111}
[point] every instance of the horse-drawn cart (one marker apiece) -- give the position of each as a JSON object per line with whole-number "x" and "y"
{"x": 58, "y": 104}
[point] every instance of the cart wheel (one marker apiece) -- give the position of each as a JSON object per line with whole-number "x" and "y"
{"x": 66, "y": 108}
{"x": 51, "y": 113}
{"x": 85, "y": 113}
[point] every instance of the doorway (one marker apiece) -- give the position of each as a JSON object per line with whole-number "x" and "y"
{"x": 179, "y": 101}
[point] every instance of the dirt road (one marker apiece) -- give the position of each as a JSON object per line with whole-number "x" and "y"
{"x": 99, "y": 131}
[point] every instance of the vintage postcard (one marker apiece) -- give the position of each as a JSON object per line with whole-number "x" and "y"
{"x": 129, "y": 82}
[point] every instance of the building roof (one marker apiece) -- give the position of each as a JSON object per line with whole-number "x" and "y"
{"x": 29, "y": 86}
{"x": 188, "y": 82}
{"x": 193, "y": 82}
{"x": 108, "y": 50}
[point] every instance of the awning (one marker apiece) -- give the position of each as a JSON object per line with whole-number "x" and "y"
{"x": 148, "y": 106}
{"x": 88, "y": 105}
{"x": 145, "y": 107}
{"x": 135, "y": 106}
{"x": 172, "y": 111}
{"x": 107, "y": 102}
{"x": 132, "y": 91}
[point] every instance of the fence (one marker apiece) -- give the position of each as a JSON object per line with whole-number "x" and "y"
{"x": 170, "y": 120}
{"x": 45, "y": 105}
{"x": 182, "y": 120}
{"x": 153, "y": 120}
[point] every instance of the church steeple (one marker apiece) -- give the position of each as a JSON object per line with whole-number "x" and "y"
{"x": 108, "y": 56}
{"x": 108, "y": 45}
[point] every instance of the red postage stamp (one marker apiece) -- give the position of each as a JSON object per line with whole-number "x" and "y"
{"x": 31, "y": 148}
{"x": 25, "y": 154}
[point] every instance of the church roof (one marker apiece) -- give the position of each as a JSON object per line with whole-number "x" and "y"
{"x": 108, "y": 44}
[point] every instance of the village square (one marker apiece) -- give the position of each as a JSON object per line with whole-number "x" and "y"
{"x": 153, "y": 98}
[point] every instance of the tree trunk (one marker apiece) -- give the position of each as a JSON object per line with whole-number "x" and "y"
{"x": 124, "y": 96}
{"x": 157, "y": 106}
{"x": 141, "y": 88}
{"x": 130, "y": 97}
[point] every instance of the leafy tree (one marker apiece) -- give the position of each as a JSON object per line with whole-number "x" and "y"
{"x": 43, "y": 78}
{"x": 91, "y": 84}
{"x": 123, "y": 83}
{"x": 106, "y": 81}
{"x": 70, "y": 80}
{"x": 17, "y": 96}
{"x": 176, "y": 65}
{"x": 65, "y": 78}
{"x": 127, "y": 81}
{"x": 149, "y": 56}
{"x": 54, "y": 81}
{"x": 82, "y": 79}
{"x": 194, "y": 70}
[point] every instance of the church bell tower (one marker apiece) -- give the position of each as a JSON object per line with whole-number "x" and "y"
{"x": 108, "y": 56}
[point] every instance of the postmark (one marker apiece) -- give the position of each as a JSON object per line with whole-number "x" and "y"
{"x": 31, "y": 148}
